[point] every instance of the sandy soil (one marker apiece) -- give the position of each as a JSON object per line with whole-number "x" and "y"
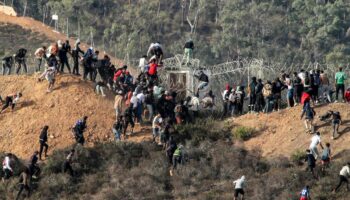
{"x": 281, "y": 133}
{"x": 72, "y": 99}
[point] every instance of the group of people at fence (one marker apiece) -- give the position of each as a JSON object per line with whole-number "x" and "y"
{"x": 144, "y": 100}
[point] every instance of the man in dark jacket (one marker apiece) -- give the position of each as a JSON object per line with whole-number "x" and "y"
{"x": 252, "y": 94}
{"x": 20, "y": 60}
{"x": 7, "y": 65}
{"x": 311, "y": 161}
{"x": 62, "y": 54}
{"x": 75, "y": 55}
{"x": 79, "y": 129}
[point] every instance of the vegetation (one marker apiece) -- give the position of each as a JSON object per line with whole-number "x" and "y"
{"x": 293, "y": 31}
{"x": 243, "y": 133}
{"x": 141, "y": 171}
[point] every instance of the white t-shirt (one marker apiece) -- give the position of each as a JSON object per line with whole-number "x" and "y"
{"x": 134, "y": 100}
{"x": 194, "y": 104}
{"x": 156, "y": 121}
{"x": 142, "y": 63}
{"x": 315, "y": 140}
{"x": 6, "y": 164}
{"x": 141, "y": 97}
{"x": 345, "y": 171}
{"x": 239, "y": 183}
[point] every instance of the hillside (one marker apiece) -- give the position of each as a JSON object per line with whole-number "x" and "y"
{"x": 31, "y": 35}
{"x": 281, "y": 133}
{"x": 71, "y": 100}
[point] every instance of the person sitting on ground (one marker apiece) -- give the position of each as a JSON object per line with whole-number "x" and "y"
{"x": 177, "y": 158}
{"x": 315, "y": 141}
{"x": 118, "y": 128}
{"x": 79, "y": 129}
{"x": 33, "y": 165}
{"x": 203, "y": 81}
{"x": 343, "y": 177}
{"x": 11, "y": 100}
{"x": 43, "y": 142}
{"x": 305, "y": 193}
{"x": 239, "y": 185}
{"x": 326, "y": 157}
{"x": 7, "y": 65}
{"x": 24, "y": 182}
{"x": 7, "y": 167}
{"x": 311, "y": 161}
{"x": 67, "y": 165}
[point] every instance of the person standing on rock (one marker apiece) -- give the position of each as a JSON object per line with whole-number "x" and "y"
{"x": 40, "y": 54}
{"x": 43, "y": 142}
{"x": 79, "y": 129}
{"x": 11, "y": 100}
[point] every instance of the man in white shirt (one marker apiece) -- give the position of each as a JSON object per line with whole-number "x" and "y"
{"x": 315, "y": 141}
{"x": 156, "y": 126}
{"x": 239, "y": 184}
{"x": 343, "y": 177}
{"x": 6, "y": 167}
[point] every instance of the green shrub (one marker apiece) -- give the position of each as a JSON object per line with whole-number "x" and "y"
{"x": 243, "y": 133}
{"x": 298, "y": 156}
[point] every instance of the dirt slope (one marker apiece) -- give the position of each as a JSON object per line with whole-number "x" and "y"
{"x": 281, "y": 133}
{"x": 71, "y": 99}
{"x": 36, "y": 26}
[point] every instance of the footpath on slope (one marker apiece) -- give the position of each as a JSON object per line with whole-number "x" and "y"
{"x": 39, "y": 27}
{"x": 282, "y": 133}
{"x": 71, "y": 99}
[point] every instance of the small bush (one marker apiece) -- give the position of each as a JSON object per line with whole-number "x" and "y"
{"x": 243, "y": 133}
{"x": 298, "y": 156}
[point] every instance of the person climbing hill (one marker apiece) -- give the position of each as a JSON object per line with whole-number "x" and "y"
{"x": 239, "y": 185}
{"x": 78, "y": 130}
{"x": 11, "y": 100}
{"x": 43, "y": 142}
{"x": 305, "y": 193}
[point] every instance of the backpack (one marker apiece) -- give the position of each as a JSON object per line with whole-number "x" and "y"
{"x": 267, "y": 90}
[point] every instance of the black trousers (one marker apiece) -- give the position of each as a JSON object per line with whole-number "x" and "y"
{"x": 88, "y": 71}
{"x": 6, "y": 66}
{"x": 342, "y": 179}
{"x": 339, "y": 87}
{"x": 43, "y": 145}
{"x": 21, "y": 63}
{"x": 64, "y": 61}
{"x": 68, "y": 168}
{"x": 8, "y": 102}
{"x": 75, "y": 66}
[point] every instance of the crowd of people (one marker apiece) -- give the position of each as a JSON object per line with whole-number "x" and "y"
{"x": 143, "y": 99}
